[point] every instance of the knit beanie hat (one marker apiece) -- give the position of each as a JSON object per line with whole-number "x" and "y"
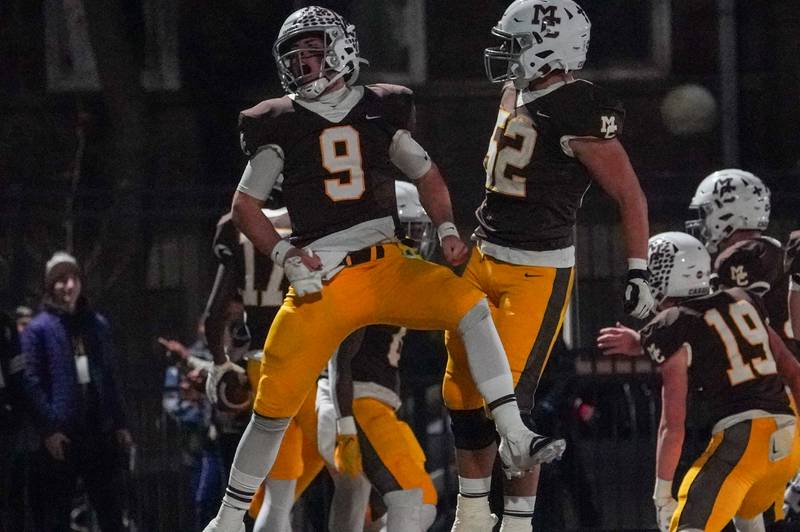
{"x": 59, "y": 265}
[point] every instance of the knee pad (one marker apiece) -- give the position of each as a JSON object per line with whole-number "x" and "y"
{"x": 480, "y": 312}
{"x": 472, "y": 429}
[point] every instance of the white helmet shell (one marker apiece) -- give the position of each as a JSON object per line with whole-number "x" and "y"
{"x": 727, "y": 201}
{"x": 416, "y": 223}
{"x": 340, "y": 51}
{"x": 679, "y": 266}
{"x": 538, "y": 36}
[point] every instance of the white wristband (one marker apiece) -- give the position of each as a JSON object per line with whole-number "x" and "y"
{"x": 279, "y": 251}
{"x": 663, "y": 489}
{"x": 346, "y": 425}
{"x": 637, "y": 264}
{"x": 446, "y": 229}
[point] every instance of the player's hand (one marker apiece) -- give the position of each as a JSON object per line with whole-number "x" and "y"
{"x": 174, "y": 346}
{"x": 454, "y": 250}
{"x": 347, "y": 455}
{"x": 619, "y": 340}
{"x": 55, "y": 444}
{"x": 215, "y": 373}
{"x": 303, "y": 271}
{"x": 638, "y": 300}
{"x": 665, "y": 507}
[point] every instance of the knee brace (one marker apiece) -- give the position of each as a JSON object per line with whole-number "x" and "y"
{"x": 472, "y": 429}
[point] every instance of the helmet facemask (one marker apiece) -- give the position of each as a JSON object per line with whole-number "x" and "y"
{"x": 420, "y": 235}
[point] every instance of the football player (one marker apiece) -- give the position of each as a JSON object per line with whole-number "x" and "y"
{"x": 555, "y": 134}
{"x": 363, "y": 395}
{"x": 249, "y": 284}
{"x": 335, "y": 144}
{"x": 720, "y": 344}
{"x": 732, "y": 209}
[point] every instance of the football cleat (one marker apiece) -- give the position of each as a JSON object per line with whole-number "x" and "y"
{"x": 521, "y": 450}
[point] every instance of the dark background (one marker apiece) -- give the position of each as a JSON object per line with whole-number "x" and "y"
{"x": 132, "y": 181}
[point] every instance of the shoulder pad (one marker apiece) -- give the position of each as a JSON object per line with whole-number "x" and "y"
{"x": 581, "y": 109}
{"x": 257, "y": 125}
{"x": 754, "y": 263}
{"x": 665, "y": 334}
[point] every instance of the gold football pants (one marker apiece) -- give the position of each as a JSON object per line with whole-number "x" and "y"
{"x": 528, "y": 305}
{"x": 395, "y": 290}
{"x": 735, "y": 476}
{"x": 391, "y": 455}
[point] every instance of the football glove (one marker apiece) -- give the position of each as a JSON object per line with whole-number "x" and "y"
{"x": 303, "y": 280}
{"x": 347, "y": 455}
{"x": 664, "y": 502}
{"x": 215, "y": 373}
{"x": 638, "y": 301}
{"x": 664, "y": 510}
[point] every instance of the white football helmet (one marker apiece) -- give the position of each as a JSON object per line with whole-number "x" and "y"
{"x": 679, "y": 266}
{"x": 416, "y": 223}
{"x": 726, "y": 201}
{"x": 340, "y": 51}
{"x": 538, "y": 36}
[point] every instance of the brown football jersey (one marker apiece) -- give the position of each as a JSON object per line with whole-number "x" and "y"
{"x": 335, "y": 174}
{"x": 761, "y": 265}
{"x": 731, "y": 367}
{"x": 533, "y": 188}
{"x": 260, "y": 283}
{"x": 378, "y": 356}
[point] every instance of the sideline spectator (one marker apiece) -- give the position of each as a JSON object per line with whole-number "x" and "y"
{"x": 184, "y": 401}
{"x": 75, "y": 402}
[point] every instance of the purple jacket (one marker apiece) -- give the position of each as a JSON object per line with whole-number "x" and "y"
{"x": 57, "y": 401}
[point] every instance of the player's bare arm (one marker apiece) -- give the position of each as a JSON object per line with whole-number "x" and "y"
{"x": 670, "y": 434}
{"x": 435, "y": 198}
{"x": 248, "y": 218}
{"x": 787, "y": 364}
{"x": 673, "y": 413}
{"x": 608, "y": 163}
{"x": 619, "y": 340}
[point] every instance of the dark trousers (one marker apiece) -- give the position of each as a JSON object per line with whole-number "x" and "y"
{"x": 97, "y": 462}
{"x": 13, "y": 480}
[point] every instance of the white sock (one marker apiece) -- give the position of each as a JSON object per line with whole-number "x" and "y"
{"x": 275, "y": 513}
{"x": 349, "y": 504}
{"x": 254, "y": 458}
{"x": 427, "y": 516}
{"x": 403, "y": 510}
{"x": 518, "y": 507}
{"x": 489, "y": 367}
{"x": 475, "y": 488}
